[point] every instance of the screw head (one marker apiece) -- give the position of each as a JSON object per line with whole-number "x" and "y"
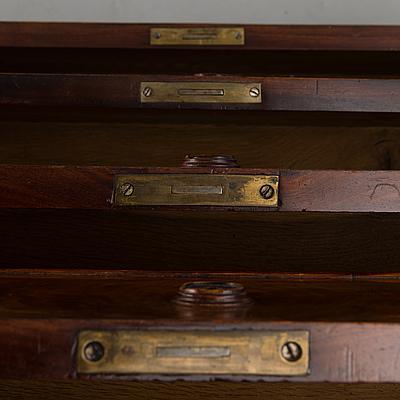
{"x": 156, "y": 35}
{"x": 147, "y": 91}
{"x": 254, "y": 92}
{"x": 267, "y": 192}
{"x": 127, "y": 189}
{"x": 291, "y": 351}
{"x": 238, "y": 35}
{"x": 93, "y": 351}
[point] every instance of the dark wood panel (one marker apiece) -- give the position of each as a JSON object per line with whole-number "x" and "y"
{"x": 272, "y": 37}
{"x": 191, "y": 61}
{"x": 41, "y": 319}
{"x": 344, "y": 191}
{"x": 92, "y": 188}
{"x": 124, "y": 48}
{"x": 206, "y": 241}
{"x": 338, "y": 351}
{"x": 142, "y": 296}
{"x": 329, "y": 94}
{"x": 252, "y": 139}
{"x": 179, "y": 390}
{"x": 71, "y": 90}
{"x": 62, "y": 390}
{"x": 278, "y": 93}
{"x": 97, "y": 115}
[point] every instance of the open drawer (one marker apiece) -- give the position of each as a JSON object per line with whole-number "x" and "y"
{"x": 80, "y": 108}
{"x": 119, "y": 263}
{"x": 218, "y": 218}
{"x": 125, "y": 325}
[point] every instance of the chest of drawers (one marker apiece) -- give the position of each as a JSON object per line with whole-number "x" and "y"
{"x": 203, "y": 209}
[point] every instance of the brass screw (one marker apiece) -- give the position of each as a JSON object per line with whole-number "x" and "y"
{"x": 291, "y": 351}
{"x": 157, "y": 35}
{"x": 147, "y": 91}
{"x": 267, "y": 192}
{"x": 254, "y": 92}
{"x": 127, "y": 189}
{"x": 238, "y": 35}
{"x": 93, "y": 351}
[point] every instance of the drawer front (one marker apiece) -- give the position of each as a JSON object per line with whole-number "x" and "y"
{"x": 276, "y": 353}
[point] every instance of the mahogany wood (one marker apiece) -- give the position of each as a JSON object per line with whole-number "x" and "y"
{"x": 85, "y": 229}
{"x": 353, "y": 325}
{"x": 256, "y": 139}
{"x": 200, "y": 241}
{"x": 104, "y": 390}
{"x": 148, "y": 296}
{"x": 83, "y": 81}
{"x": 92, "y": 187}
{"x": 267, "y": 37}
{"x": 79, "y": 115}
{"x": 192, "y": 61}
{"x": 278, "y": 93}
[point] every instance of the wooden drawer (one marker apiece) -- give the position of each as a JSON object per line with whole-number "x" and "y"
{"x": 93, "y": 116}
{"x": 69, "y": 217}
{"x": 74, "y": 116}
{"x": 16, "y": 389}
{"x": 348, "y": 323}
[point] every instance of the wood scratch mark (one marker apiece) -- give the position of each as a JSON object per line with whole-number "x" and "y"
{"x": 349, "y": 364}
{"x": 378, "y": 185}
{"x": 397, "y": 359}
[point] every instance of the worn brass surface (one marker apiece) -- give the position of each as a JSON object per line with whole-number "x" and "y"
{"x": 195, "y": 189}
{"x": 210, "y": 36}
{"x": 194, "y": 352}
{"x": 200, "y": 92}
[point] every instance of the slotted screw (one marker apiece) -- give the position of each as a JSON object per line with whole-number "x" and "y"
{"x": 291, "y": 351}
{"x": 267, "y": 192}
{"x": 254, "y": 92}
{"x": 238, "y": 35}
{"x": 157, "y": 35}
{"x": 147, "y": 91}
{"x": 93, "y": 351}
{"x": 127, "y": 189}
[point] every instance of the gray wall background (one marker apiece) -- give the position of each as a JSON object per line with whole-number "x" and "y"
{"x": 376, "y": 12}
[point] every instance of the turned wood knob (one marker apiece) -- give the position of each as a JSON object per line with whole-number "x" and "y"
{"x": 212, "y": 294}
{"x": 214, "y": 161}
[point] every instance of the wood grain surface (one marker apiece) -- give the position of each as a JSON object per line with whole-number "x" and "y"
{"x": 148, "y": 296}
{"x": 52, "y": 389}
{"x": 278, "y": 93}
{"x": 96, "y": 69}
{"x": 194, "y": 61}
{"x": 353, "y": 325}
{"x": 340, "y": 352}
{"x": 267, "y": 37}
{"x": 92, "y": 188}
{"x": 206, "y": 241}
{"x": 256, "y": 141}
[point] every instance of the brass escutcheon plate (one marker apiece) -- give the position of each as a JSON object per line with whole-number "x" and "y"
{"x": 201, "y": 92}
{"x": 207, "y": 36}
{"x": 196, "y": 190}
{"x": 238, "y": 352}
